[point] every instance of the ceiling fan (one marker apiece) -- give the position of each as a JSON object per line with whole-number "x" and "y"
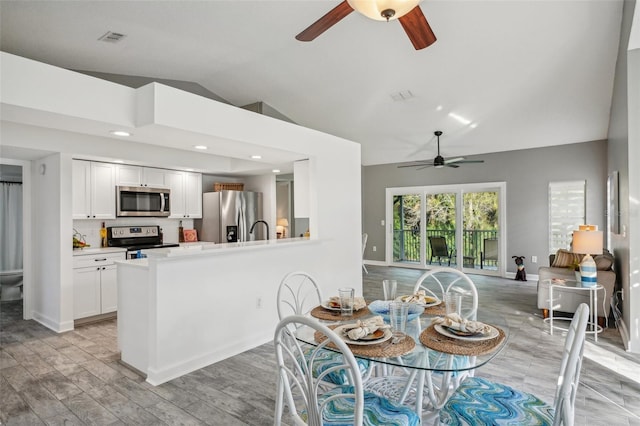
{"x": 440, "y": 161}
{"x": 408, "y": 12}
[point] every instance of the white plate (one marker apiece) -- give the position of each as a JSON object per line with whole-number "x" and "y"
{"x": 326, "y": 305}
{"x": 426, "y": 305}
{"x": 493, "y": 333}
{"x": 340, "y": 331}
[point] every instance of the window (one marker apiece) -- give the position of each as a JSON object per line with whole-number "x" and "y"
{"x": 566, "y": 212}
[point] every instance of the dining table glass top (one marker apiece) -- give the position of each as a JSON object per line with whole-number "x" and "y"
{"x": 426, "y": 346}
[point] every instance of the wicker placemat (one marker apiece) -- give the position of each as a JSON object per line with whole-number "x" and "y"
{"x": 329, "y": 315}
{"x": 434, "y": 340}
{"x": 383, "y": 350}
{"x": 435, "y": 310}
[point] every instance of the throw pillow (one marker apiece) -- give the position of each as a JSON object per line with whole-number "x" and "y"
{"x": 565, "y": 258}
{"x": 604, "y": 261}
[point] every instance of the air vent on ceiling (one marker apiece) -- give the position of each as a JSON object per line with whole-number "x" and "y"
{"x": 112, "y": 37}
{"x": 402, "y": 96}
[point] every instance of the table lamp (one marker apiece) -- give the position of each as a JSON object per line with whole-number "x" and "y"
{"x": 588, "y": 240}
{"x": 284, "y": 223}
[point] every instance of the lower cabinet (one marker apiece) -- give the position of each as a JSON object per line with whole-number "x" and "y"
{"x": 95, "y": 287}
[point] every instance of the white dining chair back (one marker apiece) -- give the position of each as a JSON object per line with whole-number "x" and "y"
{"x": 309, "y": 402}
{"x": 298, "y": 294}
{"x": 481, "y": 401}
{"x": 438, "y": 281}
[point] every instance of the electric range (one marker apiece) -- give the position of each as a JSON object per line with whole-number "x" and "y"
{"x": 135, "y": 238}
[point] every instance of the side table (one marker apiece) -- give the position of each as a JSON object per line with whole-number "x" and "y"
{"x": 592, "y": 326}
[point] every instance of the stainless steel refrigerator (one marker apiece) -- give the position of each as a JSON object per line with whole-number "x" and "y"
{"x": 227, "y": 216}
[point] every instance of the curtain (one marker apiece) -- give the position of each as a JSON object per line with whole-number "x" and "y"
{"x": 11, "y": 227}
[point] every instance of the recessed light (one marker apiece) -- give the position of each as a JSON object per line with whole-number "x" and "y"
{"x": 118, "y": 161}
{"x": 120, "y": 133}
{"x": 459, "y": 118}
{"x": 200, "y": 147}
{"x": 473, "y": 125}
{"x": 276, "y": 170}
{"x": 256, "y": 157}
{"x": 439, "y": 108}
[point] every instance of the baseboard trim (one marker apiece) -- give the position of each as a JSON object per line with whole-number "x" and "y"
{"x": 51, "y": 324}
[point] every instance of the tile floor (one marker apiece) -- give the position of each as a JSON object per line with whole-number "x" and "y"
{"x": 74, "y": 378}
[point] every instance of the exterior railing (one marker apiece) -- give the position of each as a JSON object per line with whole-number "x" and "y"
{"x": 406, "y": 245}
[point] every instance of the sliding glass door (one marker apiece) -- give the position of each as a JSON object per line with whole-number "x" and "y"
{"x": 458, "y": 226}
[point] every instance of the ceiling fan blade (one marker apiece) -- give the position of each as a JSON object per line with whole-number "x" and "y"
{"x": 453, "y": 160}
{"x": 469, "y": 161}
{"x": 327, "y": 21}
{"x": 417, "y": 164}
{"x": 417, "y": 28}
{"x": 455, "y": 166}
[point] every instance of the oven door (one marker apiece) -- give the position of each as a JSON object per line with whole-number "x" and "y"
{"x": 143, "y": 201}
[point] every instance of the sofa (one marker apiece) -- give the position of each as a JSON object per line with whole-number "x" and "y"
{"x": 567, "y": 300}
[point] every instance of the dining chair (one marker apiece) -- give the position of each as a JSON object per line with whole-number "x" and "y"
{"x": 481, "y": 401}
{"x": 298, "y": 294}
{"x": 308, "y": 402}
{"x": 441, "y": 280}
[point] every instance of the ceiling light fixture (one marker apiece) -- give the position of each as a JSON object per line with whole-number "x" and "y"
{"x": 383, "y": 10}
{"x": 439, "y": 108}
{"x": 276, "y": 170}
{"x": 118, "y": 161}
{"x": 256, "y": 157}
{"x": 460, "y": 118}
{"x": 200, "y": 147}
{"x": 121, "y": 133}
{"x": 473, "y": 125}
{"x": 188, "y": 170}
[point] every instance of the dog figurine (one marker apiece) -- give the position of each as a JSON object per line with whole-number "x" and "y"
{"x": 521, "y": 275}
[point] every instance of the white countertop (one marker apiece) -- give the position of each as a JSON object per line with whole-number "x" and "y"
{"x": 98, "y": 250}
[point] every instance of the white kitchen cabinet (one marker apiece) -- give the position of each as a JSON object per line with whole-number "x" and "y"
{"x": 95, "y": 285}
{"x": 140, "y": 176}
{"x": 93, "y": 190}
{"x": 301, "y": 189}
{"x": 186, "y": 194}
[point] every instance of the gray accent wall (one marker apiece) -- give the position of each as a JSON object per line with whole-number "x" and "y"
{"x": 527, "y": 174}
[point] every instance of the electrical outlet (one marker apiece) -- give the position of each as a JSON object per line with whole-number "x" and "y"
{"x": 259, "y": 303}
{"x": 374, "y": 248}
{"x": 534, "y": 259}
{"x": 382, "y": 223}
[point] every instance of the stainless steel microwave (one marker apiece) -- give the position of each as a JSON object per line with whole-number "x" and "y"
{"x": 142, "y": 201}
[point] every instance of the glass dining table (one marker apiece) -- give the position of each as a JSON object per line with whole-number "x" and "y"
{"x": 428, "y": 361}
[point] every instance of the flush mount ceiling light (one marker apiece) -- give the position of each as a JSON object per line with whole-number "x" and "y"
{"x": 121, "y": 133}
{"x": 202, "y": 147}
{"x": 383, "y": 10}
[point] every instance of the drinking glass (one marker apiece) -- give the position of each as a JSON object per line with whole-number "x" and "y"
{"x": 453, "y": 303}
{"x": 389, "y": 288}
{"x": 398, "y": 312}
{"x": 346, "y": 295}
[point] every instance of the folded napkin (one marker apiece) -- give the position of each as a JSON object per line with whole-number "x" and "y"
{"x": 358, "y": 302}
{"x": 456, "y": 322}
{"x": 419, "y": 297}
{"x": 361, "y": 329}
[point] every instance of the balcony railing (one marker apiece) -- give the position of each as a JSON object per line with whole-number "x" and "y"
{"x": 406, "y": 245}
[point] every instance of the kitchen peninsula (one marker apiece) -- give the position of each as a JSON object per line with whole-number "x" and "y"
{"x": 183, "y": 308}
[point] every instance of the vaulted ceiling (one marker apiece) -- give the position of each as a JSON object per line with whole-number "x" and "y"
{"x": 522, "y": 74}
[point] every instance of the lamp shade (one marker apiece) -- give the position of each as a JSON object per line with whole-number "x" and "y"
{"x": 283, "y": 221}
{"x": 587, "y": 242}
{"x": 373, "y": 8}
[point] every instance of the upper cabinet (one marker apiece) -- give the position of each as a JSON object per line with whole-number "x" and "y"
{"x": 186, "y": 194}
{"x": 94, "y": 191}
{"x": 140, "y": 176}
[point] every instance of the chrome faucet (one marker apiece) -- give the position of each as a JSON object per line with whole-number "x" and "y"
{"x": 257, "y": 222}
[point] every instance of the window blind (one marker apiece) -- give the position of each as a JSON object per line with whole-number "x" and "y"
{"x": 566, "y": 212}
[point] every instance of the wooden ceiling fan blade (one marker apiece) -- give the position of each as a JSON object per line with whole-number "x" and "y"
{"x": 327, "y": 21}
{"x": 417, "y": 28}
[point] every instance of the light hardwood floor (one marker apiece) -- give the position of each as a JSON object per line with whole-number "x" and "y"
{"x": 75, "y": 377}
